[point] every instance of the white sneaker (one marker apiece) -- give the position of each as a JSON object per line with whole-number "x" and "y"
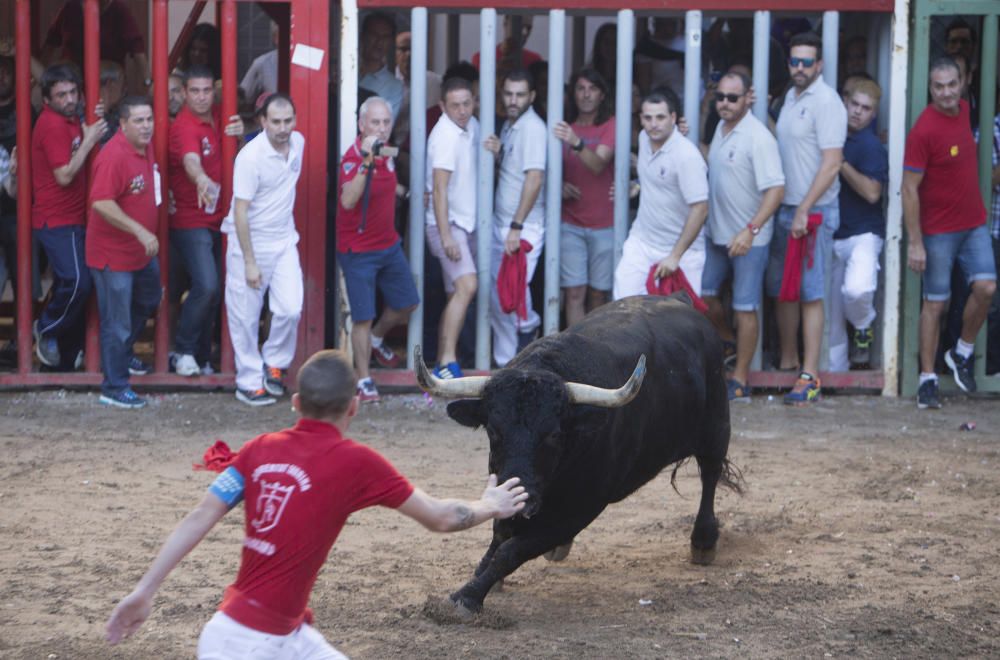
{"x": 186, "y": 365}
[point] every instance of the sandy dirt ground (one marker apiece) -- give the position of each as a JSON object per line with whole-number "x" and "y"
{"x": 869, "y": 529}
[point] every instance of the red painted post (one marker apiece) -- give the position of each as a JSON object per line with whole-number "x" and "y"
{"x": 22, "y": 70}
{"x": 161, "y": 135}
{"x": 227, "y": 25}
{"x": 92, "y": 92}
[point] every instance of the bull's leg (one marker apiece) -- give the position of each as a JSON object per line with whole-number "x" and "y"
{"x": 706, "y": 528}
{"x": 507, "y": 558}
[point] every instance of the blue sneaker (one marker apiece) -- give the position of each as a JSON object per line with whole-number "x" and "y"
{"x": 738, "y": 392}
{"x": 448, "y": 371}
{"x": 46, "y": 348}
{"x": 137, "y": 367}
{"x": 806, "y": 391}
{"x": 124, "y": 399}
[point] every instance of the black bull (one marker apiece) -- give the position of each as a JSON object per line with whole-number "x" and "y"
{"x": 574, "y": 459}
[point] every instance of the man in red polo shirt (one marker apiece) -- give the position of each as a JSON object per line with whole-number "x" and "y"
{"x": 122, "y": 246}
{"x": 298, "y": 487}
{"x": 196, "y": 213}
{"x": 59, "y": 148}
{"x": 368, "y": 248}
{"x": 946, "y": 222}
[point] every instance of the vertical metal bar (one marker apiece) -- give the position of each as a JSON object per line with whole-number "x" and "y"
{"x": 161, "y": 135}
{"x": 831, "y": 39}
{"x": 554, "y": 170}
{"x": 348, "y": 74}
{"x": 22, "y": 67}
{"x": 92, "y": 90}
{"x": 692, "y": 72}
{"x": 484, "y": 225}
{"x": 987, "y": 105}
{"x": 623, "y": 126}
{"x": 418, "y": 166}
{"x": 895, "y": 294}
{"x": 229, "y": 83}
{"x": 883, "y": 65}
{"x": 761, "y": 62}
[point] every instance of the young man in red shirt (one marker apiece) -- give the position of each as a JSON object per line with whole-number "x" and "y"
{"x": 122, "y": 247}
{"x": 196, "y": 215}
{"x": 368, "y": 248}
{"x": 298, "y": 487}
{"x": 60, "y": 144}
{"x": 946, "y": 221}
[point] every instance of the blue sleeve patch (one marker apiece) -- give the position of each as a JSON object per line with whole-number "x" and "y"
{"x": 228, "y": 487}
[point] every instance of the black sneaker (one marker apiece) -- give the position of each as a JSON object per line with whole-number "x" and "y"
{"x": 125, "y": 399}
{"x": 255, "y": 398}
{"x": 961, "y": 370}
{"x": 860, "y": 348}
{"x": 137, "y": 367}
{"x": 46, "y": 348}
{"x": 274, "y": 381}
{"x": 927, "y": 395}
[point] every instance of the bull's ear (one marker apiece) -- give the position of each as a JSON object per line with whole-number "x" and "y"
{"x": 589, "y": 419}
{"x": 467, "y": 412}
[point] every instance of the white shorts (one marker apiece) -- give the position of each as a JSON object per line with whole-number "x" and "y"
{"x": 223, "y": 638}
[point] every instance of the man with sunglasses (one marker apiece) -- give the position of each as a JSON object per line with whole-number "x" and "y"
{"x": 745, "y": 184}
{"x": 812, "y": 129}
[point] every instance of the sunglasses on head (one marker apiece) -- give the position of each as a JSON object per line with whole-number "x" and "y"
{"x": 804, "y": 61}
{"x": 732, "y": 98}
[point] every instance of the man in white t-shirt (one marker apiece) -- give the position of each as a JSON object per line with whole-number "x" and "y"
{"x": 262, "y": 257}
{"x": 452, "y": 173}
{"x": 519, "y": 207}
{"x": 812, "y": 128}
{"x": 746, "y": 185}
{"x": 673, "y": 203}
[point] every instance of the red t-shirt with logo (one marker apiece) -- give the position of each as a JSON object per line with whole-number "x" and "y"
{"x": 594, "y": 209}
{"x": 54, "y": 140}
{"x": 189, "y": 134}
{"x": 123, "y": 175}
{"x": 298, "y": 487}
{"x": 379, "y": 229}
{"x": 943, "y": 148}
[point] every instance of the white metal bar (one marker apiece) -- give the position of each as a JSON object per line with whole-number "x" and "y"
{"x": 348, "y": 74}
{"x": 484, "y": 226}
{"x": 418, "y": 151}
{"x": 761, "y": 62}
{"x": 831, "y": 39}
{"x": 623, "y": 128}
{"x": 554, "y": 169}
{"x": 692, "y": 72}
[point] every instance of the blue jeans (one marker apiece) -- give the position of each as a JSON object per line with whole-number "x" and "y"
{"x": 747, "y": 272}
{"x": 125, "y": 300}
{"x": 197, "y": 253}
{"x": 64, "y": 317}
{"x": 971, "y": 248}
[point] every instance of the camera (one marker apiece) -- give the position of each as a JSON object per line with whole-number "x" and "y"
{"x": 380, "y": 148}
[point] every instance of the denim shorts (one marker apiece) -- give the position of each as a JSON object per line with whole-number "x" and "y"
{"x": 585, "y": 257}
{"x": 813, "y": 279}
{"x": 747, "y": 272}
{"x": 974, "y": 252}
{"x": 386, "y": 269}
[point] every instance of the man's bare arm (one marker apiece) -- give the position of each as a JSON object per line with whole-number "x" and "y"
{"x": 117, "y": 218}
{"x": 829, "y": 168}
{"x": 448, "y": 515}
{"x": 868, "y": 188}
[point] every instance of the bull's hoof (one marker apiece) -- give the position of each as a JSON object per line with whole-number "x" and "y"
{"x": 702, "y": 557}
{"x": 447, "y": 611}
{"x": 559, "y": 553}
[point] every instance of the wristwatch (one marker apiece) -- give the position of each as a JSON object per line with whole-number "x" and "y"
{"x": 754, "y": 229}
{"x": 578, "y": 147}
{"x": 516, "y": 225}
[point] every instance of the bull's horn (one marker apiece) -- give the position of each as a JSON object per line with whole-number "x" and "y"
{"x": 469, "y": 387}
{"x": 606, "y": 398}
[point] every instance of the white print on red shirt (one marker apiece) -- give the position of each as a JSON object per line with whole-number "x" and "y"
{"x": 271, "y": 502}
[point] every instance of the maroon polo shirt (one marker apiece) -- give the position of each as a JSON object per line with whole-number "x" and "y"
{"x": 54, "y": 140}
{"x": 189, "y": 134}
{"x": 123, "y": 175}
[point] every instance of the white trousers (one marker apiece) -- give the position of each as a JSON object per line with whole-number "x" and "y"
{"x": 507, "y": 326}
{"x": 223, "y": 638}
{"x": 638, "y": 258}
{"x": 853, "y": 281}
{"x": 281, "y": 279}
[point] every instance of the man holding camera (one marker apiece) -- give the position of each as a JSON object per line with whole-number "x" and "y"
{"x": 369, "y": 250}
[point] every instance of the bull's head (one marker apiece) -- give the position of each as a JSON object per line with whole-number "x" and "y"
{"x": 528, "y": 415}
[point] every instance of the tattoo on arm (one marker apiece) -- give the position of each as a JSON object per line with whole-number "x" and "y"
{"x": 464, "y": 518}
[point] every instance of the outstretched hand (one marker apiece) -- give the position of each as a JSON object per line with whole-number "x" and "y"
{"x": 506, "y": 499}
{"x": 127, "y": 617}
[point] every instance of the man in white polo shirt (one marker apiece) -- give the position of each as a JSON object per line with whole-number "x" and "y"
{"x": 812, "y": 128}
{"x": 519, "y": 208}
{"x": 452, "y": 173}
{"x": 745, "y": 184}
{"x": 261, "y": 256}
{"x": 673, "y": 203}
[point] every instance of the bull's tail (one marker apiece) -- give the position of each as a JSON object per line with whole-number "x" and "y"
{"x": 731, "y": 477}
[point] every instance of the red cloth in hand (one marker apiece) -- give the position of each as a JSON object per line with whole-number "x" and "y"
{"x": 798, "y": 249}
{"x": 672, "y": 283}
{"x": 512, "y": 280}
{"x": 217, "y": 457}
